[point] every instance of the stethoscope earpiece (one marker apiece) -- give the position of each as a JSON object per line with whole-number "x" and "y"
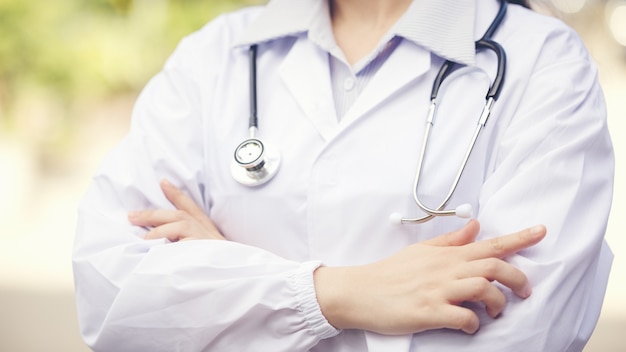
{"x": 464, "y": 211}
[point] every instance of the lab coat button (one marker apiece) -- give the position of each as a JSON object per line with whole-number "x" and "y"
{"x": 348, "y": 84}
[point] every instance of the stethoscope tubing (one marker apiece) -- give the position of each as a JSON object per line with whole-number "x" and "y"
{"x": 253, "y": 121}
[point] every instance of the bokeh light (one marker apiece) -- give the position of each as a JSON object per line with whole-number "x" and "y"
{"x": 616, "y": 18}
{"x": 569, "y": 6}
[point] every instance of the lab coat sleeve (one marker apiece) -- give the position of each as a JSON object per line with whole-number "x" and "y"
{"x": 553, "y": 165}
{"x": 137, "y": 295}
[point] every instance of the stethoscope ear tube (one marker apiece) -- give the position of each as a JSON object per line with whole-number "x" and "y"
{"x": 498, "y": 82}
{"x": 444, "y": 71}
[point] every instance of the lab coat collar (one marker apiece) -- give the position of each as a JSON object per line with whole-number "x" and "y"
{"x": 443, "y": 27}
{"x": 446, "y": 30}
{"x": 311, "y": 88}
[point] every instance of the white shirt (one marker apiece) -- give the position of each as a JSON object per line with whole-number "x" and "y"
{"x": 544, "y": 157}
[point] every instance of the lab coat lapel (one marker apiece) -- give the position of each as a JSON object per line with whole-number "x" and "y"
{"x": 406, "y": 63}
{"x": 306, "y": 75}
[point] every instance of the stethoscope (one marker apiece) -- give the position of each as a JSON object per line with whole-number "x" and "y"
{"x": 256, "y": 162}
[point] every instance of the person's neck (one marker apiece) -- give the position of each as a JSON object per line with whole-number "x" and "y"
{"x": 372, "y": 12}
{"x": 358, "y": 25}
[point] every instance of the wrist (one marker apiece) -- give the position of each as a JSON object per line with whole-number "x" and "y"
{"x": 333, "y": 287}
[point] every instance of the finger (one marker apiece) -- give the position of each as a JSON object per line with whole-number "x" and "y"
{"x": 155, "y": 217}
{"x": 464, "y": 235}
{"x": 182, "y": 202}
{"x": 173, "y": 231}
{"x": 500, "y": 247}
{"x": 478, "y": 289}
{"x": 494, "y": 269}
{"x": 178, "y": 198}
{"x": 456, "y": 317}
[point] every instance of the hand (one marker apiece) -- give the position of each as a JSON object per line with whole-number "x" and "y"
{"x": 187, "y": 222}
{"x": 422, "y": 286}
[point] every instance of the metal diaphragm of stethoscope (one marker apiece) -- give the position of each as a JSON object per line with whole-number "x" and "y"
{"x": 256, "y": 162}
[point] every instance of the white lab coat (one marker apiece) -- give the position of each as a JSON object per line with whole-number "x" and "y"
{"x": 544, "y": 157}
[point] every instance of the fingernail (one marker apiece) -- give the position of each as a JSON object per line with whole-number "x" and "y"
{"x": 133, "y": 214}
{"x": 536, "y": 229}
{"x": 166, "y": 183}
{"x": 528, "y": 291}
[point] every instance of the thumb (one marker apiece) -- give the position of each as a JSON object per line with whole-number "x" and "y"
{"x": 464, "y": 235}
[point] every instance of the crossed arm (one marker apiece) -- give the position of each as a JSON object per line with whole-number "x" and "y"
{"x": 419, "y": 288}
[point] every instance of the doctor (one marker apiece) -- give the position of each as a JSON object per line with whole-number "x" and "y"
{"x": 310, "y": 261}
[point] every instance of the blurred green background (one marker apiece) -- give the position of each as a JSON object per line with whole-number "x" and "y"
{"x": 70, "y": 72}
{"x": 59, "y": 56}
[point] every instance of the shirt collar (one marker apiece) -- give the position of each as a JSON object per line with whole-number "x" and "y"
{"x": 446, "y": 30}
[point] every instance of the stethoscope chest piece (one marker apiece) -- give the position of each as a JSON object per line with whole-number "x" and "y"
{"x": 254, "y": 162}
